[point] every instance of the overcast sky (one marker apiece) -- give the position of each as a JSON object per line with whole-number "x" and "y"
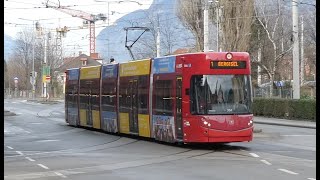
{"x": 50, "y": 19}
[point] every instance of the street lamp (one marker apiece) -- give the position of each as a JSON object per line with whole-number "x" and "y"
{"x": 15, "y": 86}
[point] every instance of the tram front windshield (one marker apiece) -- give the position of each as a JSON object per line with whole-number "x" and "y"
{"x": 220, "y": 94}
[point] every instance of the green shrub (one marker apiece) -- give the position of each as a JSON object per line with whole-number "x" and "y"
{"x": 257, "y": 107}
{"x": 285, "y": 108}
{"x": 280, "y": 107}
{"x": 268, "y": 107}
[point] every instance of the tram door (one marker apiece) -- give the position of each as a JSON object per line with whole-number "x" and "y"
{"x": 178, "y": 118}
{"x": 89, "y": 109}
{"x": 133, "y": 121}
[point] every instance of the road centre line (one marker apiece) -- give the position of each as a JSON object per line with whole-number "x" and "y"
{"x": 29, "y": 159}
{"x": 9, "y": 147}
{"x": 266, "y": 162}
{"x": 254, "y": 155}
{"x": 311, "y": 179}
{"x": 48, "y": 140}
{"x": 43, "y": 166}
{"x": 59, "y": 174}
{"x": 19, "y": 152}
{"x": 287, "y": 171}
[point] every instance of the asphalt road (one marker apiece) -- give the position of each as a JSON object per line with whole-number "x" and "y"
{"x": 38, "y": 144}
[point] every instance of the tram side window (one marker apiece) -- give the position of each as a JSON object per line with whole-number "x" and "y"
{"x": 143, "y": 94}
{"x": 95, "y": 87}
{"x": 163, "y": 97}
{"x": 84, "y": 91}
{"x": 109, "y": 96}
{"x": 124, "y": 95}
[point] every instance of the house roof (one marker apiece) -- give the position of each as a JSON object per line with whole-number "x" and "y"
{"x": 181, "y": 51}
{"x": 76, "y": 62}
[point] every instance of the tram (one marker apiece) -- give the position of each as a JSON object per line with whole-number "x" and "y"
{"x": 201, "y": 97}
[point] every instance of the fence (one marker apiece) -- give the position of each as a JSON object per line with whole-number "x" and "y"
{"x": 12, "y": 93}
{"x": 284, "y": 92}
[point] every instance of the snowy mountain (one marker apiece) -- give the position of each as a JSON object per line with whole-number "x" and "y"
{"x": 173, "y": 34}
{"x": 8, "y": 45}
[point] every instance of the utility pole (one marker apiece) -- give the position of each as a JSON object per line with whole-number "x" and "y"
{"x": 33, "y": 78}
{"x": 206, "y": 27}
{"x": 295, "y": 50}
{"x": 45, "y": 64}
{"x": 108, "y": 46}
{"x": 302, "y": 52}
{"x": 158, "y": 41}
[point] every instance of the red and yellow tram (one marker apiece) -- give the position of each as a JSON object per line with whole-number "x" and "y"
{"x": 191, "y": 98}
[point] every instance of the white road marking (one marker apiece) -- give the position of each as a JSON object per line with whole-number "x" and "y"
{"x": 59, "y": 174}
{"x": 9, "y": 147}
{"x": 311, "y": 178}
{"x": 254, "y": 155}
{"x": 296, "y": 135}
{"x": 266, "y": 162}
{"x": 30, "y": 159}
{"x": 48, "y": 140}
{"x": 287, "y": 171}
{"x": 27, "y": 131}
{"x": 19, "y": 152}
{"x": 14, "y": 102}
{"x": 36, "y": 123}
{"x": 43, "y": 166}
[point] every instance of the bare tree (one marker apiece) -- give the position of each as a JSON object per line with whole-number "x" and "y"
{"x": 21, "y": 59}
{"x": 191, "y": 14}
{"x": 236, "y": 22}
{"x": 17, "y": 69}
{"x": 310, "y": 40}
{"x": 20, "y": 63}
{"x": 270, "y": 16}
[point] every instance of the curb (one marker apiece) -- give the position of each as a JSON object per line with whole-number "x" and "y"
{"x": 8, "y": 113}
{"x": 287, "y": 124}
{"x": 44, "y": 102}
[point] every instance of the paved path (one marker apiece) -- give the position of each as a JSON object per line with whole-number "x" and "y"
{"x": 284, "y": 122}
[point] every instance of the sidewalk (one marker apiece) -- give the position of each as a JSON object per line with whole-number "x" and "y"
{"x": 46, "y": 101}
{"x": 284, "y": 122}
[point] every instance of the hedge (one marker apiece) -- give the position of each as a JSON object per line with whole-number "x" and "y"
{"x": 304, "y": 109}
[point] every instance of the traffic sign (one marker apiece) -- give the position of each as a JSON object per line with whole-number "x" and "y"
{"x": 48, "y": 78}
{"x": 16, "y": 80}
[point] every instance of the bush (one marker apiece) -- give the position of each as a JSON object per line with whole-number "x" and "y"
{"x": 285, "y": 108}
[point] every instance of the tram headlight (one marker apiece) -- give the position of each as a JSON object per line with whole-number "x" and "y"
{"x": 205, "y": 123}
{"x": 186, "y": 123}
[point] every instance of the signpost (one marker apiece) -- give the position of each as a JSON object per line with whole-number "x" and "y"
{"x": 45, "y": 79}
